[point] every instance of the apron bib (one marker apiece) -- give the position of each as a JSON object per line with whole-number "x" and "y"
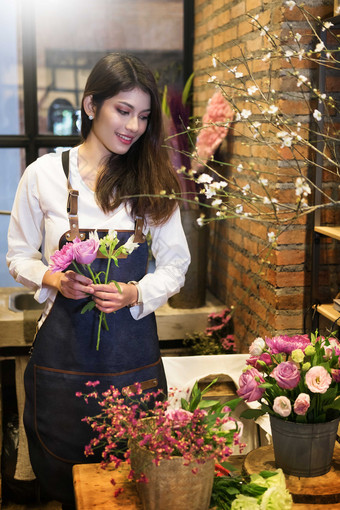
{"x": 64, "y": 358}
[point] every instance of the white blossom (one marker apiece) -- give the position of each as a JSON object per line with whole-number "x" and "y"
{"x": 264, "y": 181}
{"x": 301, "y": 79}
{"x": 245, "y": 189}
{"x": 264, "y": 30}
{"x": 251, "y": 90}
{"x": 297, "y": 37}
{"x": 317, "y": 115}
{"x": 245, "y": 113}
{"x": 266, "y": 57}
{"x": 302, "y": 188}
{"x": 130, "y": 246}
{"x": 216, "y": 202}
{"x": 272, "y": 109}
{"x": 271, "y": 237}
{"x": 204, "y": 178}
{"x": 238, "y": 74}
{"x": 212, "y": 78}
{"x": 200, "y": 221}
{"x": 214, "y": 61}
{"x": 239, "y": 209}
{"x": 266, "y": 200}
{"x": 288, "y": 54}
{"x": 290, "y": 4}
{"x": 239, "y": 168}
{"x": 319, "y": 47}
{"x": 326, "y": 25}
{"x": 258, "y": 345}
{"x": 209, "y": 192}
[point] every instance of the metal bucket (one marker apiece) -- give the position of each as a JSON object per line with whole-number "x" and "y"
{"x": 303, "y": 449}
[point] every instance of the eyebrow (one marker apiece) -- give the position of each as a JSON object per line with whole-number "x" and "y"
{"x": 133, "y": 108}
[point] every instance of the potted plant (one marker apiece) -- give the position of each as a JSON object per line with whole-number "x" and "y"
{"x": 295, "y": 379}
{"x": 172, "y": 451}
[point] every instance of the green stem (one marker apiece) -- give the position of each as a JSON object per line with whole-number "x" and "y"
{"x": 76, "y": 267}
{"x": 102, "y": 314}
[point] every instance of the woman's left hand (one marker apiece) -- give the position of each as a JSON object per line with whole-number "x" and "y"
{"x": 108, "y": 299}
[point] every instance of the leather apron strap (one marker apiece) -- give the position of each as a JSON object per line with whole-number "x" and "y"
{"x": 72, "y": 208}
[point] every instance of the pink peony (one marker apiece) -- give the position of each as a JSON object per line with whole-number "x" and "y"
{"x": 249, "y": 387}
{"x": 61, "y": 259}
{"x": 286, "y": 375}
{"x": 85, "y": 252}
{"x": 318, "y": 379}
{"x": 282, "y": 406}
{"x": 301, "y": 404}
{"x": 287, "y": 344}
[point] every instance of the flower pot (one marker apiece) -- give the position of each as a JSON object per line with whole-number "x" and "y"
{"x": 172, "y": 485}
{"x": 303, "y": 449}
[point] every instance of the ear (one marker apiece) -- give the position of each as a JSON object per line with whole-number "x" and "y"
{"x": 88, "y": 106}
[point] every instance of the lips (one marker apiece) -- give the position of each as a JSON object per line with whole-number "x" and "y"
{"x": 127, "y": 140}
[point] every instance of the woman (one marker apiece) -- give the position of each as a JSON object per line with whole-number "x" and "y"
{"x": 115, "y": 178}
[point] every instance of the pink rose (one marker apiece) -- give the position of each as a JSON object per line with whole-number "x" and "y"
{"x": 253, "y": 361}
{"x": 286, "y": 375}
{"x": 61, "y": 259}
{"x": 318, "y": 379}
{"x": 335, "y": 374}
{"x": 249, "y": 387}
{"x": 282, "y": 406}
{"x": 179, "y": 417}
{"x": 333, "y": 346}
{"x": 86, "y": 251}
{"x": 301, "y": 404}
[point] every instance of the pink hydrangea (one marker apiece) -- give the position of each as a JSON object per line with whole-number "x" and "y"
{"x": 318, "y": 379}
{"x": 210, "y": 137}
{"x": 287, "y": 344}
{"x": 282, "y": 406}
{"x": 302, "y": 404}
{"x": 286, "y": 375}
{"x": 249, "y": 383}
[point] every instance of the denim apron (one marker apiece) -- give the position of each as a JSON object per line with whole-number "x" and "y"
{"x": 64, "y": 358}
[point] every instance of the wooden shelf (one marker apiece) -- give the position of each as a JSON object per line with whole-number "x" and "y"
{"x": 328, "y": 311}
{"x": 333, "y": 232}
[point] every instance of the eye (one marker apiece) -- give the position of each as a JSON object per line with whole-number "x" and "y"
{"x": 144, "y": 117}
{"x": 122, "y": 112}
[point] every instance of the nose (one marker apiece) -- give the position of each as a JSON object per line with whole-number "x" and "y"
{"x": 132, "y": 124}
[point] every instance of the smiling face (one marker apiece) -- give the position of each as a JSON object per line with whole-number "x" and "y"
{"x": 120, "y": 122}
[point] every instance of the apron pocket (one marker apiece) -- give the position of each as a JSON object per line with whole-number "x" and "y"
{"x": 58, "y": 412}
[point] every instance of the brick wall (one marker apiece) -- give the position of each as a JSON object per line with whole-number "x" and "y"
{"x": 270, "y": 290}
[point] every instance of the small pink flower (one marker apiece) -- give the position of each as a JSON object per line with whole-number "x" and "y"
{"x": 253, "y": 361}
{"x": 61, "y": 259}
{"x": 85, "y": 252}
{"x": 302, "y": 404}
{"x": 286, "y": 375}
{"x": 333, "y": 346}
{"x": 335, "y": 374}
{"x": 318, "y": 379}
{"x": 179, "y": 417}
{"x": 249, "y": 385}
{"x": 282, "y": 406}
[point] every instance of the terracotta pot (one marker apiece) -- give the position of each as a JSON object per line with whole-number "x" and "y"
{"x": 303, "y": 449}
{"x": 172, "y": 485}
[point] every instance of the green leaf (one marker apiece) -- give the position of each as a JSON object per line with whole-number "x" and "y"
{"x": 165, "y": 106}
{"x": 89, "y": 306}
{"x": 187, "y": 87}
{"x": 252, "y": 413}
{"x": 334, "y": 405}
{"x": 208, "y": 403}
{"x": 234, "y": 403}
{"x": 184, "y": 404}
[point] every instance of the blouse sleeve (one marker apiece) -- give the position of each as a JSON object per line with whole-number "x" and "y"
{"x": 25, "y": 235}
{"x": 172, "y": 258}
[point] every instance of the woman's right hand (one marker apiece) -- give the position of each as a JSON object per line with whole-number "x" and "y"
{"x": 70, "y": 284}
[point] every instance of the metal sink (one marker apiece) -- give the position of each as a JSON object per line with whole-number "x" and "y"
{"x": 19, "y": 302}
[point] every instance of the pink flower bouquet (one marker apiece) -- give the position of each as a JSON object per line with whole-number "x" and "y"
{"x": 84, "y": 253}
{"x": 295, "y": 378}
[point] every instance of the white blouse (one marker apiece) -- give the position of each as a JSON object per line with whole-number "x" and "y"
{"x": 39, "y": 218}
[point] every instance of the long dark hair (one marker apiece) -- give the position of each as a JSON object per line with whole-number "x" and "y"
{"x": 145, "y": 169}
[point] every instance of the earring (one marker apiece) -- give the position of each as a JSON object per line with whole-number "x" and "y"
{"x": 90, "y": 117}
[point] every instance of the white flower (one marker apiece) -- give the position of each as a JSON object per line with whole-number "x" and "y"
{"x": 216, "y": 202}
{"x": 257, "y": 347}
{"x": 302, "y": 188}
{"x": 290, "y": 4}
{"x": 319, "y": 47}
{"x": 272, "y": 109}
{"x": 130, "y": 246}
{"x": 266, "y": 200}
{"x": 256, "y": 125}
{"x": 94, "y": 235}
{"x": 266, "y": 57}
{"x": 212, "y": 78}
{"x": 204, "y": 178}
{"x": 238, "y": 75}
{"x": 317, "y": 115}
{"x": 251, "y": 90}
{"x": 245, "y": 189}
{"x": 239, "y": 168}
{"x": 301, "y": 79}
{"x": 264, "y": 30}
{"x": 289, "y": 53}
{"x": 297, "y": 37}
{"x": 239, "y": 209}
{"x": 327, "y": 24}
{"x": 301, "y": 54}
{"x": 237, "y": 117}
{"x": 271, "y": 237}
{"x": 214, "y": 62}
{"x": 245, "y": 113}
{"x": 200, "y": 221}
{"x": 263, "y": 181}
{"x": 255, "y": 18}
{"x": 209, "y": 192}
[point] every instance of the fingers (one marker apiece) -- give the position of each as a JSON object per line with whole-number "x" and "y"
{"x": 75, "y": 286}
{"x": 109, "y": 299}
